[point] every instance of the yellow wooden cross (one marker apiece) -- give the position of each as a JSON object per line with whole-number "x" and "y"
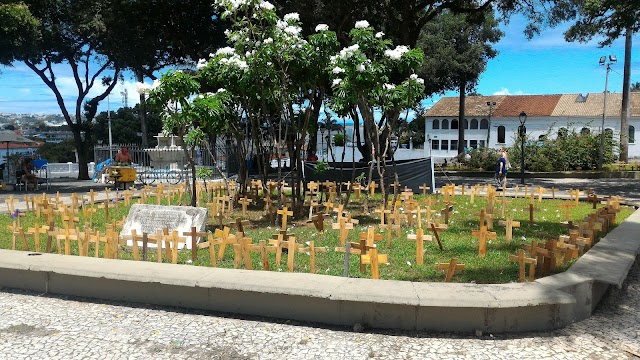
{"x": 374, "y": 259}
{"x": 311, "y": 249}
{"x": 225, "y": 239}
{"x": 575, "y": 195}
{"x": 244, "y": 202}
{"x": 343, "y": 226}
{"x": 451, "y": 267}
{"x": 522, "y": 262}
{"x": 284, "y": 212}
{"x": 419, "y": 238}
{"x": 483, "y": 235}
{"x": 194, "y": 234}
{"x": 210, "y": 243}
{"x": 540, "y": 253}
{"x": 318, "y": 222}
{"x": 424, "y": 189}
{"x": 509, "y": 225}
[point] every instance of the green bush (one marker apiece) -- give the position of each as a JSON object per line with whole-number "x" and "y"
{"x": 340, "y": 139}
{"x": 482, "y": 159}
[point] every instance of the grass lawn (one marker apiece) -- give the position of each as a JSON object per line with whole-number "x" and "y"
{"x": 457, "y": 240}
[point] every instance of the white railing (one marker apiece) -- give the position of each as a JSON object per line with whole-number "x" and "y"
{"x": 69, "y": 169}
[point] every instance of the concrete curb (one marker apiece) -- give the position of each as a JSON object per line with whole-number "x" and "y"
{"x": 548, "y": 303}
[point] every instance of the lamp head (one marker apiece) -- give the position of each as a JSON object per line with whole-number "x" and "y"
{"x": 522, "y": 117}
{"x": 613, "y": 58}
{"x": 603, "y": 59}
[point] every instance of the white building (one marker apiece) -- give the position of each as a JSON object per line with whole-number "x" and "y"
{"x": 496, "y": 119}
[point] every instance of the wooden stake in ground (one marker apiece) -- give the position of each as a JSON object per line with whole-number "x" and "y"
{"x": 318, "y": 222}
{"x": 239, "y": 224}
{"x": 575, "y": 195}
{"x": 540, "y": 192}
{"x": 343, "y": 226}
{"x": 419, "y": 238}
{"x": 211, "y": 243}
{"x": 451, "y": 268}
{"x": 36, "y": 231}
{"x": 311, "y": 249}
{"x": 437, "y": 228}
{"x": 594, "y": 200}
{"x": 509, "y": 225}
{"x": 539, "y": 253}
{"x": 225, "y": 239}
{"x": 522, "y": 262}
{"x": 566, "y": 206}
{"x": 483, "y": 235}
{"x": 284, "y": 212}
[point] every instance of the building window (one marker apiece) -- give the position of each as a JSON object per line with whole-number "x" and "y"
{"x": 501, "y": 135}
{"x": 632, "y": 134}
{"x": 562, "y": 133}
{"x": 585, "y": 131}
{"x": 454, "y": 124}
{"x": 454, "y": 145}
{"x": 474, "y": 123}
{"x": 444, "y": 145}
{"x": 466, "y": 124}
{"x": 473, "y": 144}
{"x": 435, "y": 144}
{"x": 484, "y": 124}
{"x": 445, "y": 124}
{"x": 436, "y": 124}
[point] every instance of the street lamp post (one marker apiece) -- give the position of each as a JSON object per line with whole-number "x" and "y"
{"x": 109, "y": 121}
{"x": 322, "y": 143}
{"x": 491, "y": 105}
{"x": 603, "y": 62}
{"x": 522, "y": 132}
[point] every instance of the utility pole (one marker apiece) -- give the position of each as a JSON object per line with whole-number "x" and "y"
{"x": 603, "y": 61}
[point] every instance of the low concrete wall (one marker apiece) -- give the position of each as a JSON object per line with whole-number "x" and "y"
{"x": 548, "y": 303}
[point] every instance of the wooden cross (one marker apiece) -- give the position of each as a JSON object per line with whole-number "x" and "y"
{"x": 395, "y": 186}
{"x": 244, "y": 202}
{"x": 451, "y": 267}
{"x": 372, "y": 187}
{"x": 374, "y": 259}
{"x": 509, "y": 225}
{"x": 36, "y": 231}
{"x": 424, "y": 189}
{"x": 447, "y": 210}
{"x": 540, "y": 191}
{"x": 575, "y": 195}
{"x": 241, "y": 250}
{"x": 419, "y": 238}
{"x": 483, "y": 235}
{"x": 194, "y": 234}
{"x": 262, "y": 248}
{"x": 550, "y": 265}
{"x": 566, "y": 206}
{"x": 278, "y": 241}
{"x": 239, "y": 224}
{"x": 318, "y": 222}
{"x": 313, "y": 208}
{"x": 211, "y": 243}
{"x": 284, "y": 212}
{"x": 531, "y": 209}
{"x": 540, "y": 253}
{"x": 570, "y": 250}
{"x": 553, "y": 192}
{"x": 292, "y": 247}
{"x": 382, "y": 213}
{"x": 67, "y": 235}
{"x": 225, "y": 239}
{"x": 311, "y": 249}
{"x": 175, "y": 239}
{"x": 503, "y": 205}
{"x": 344, "y": 226}
{"x": 594, "y": 200}
{"x": 522, "y": 262}
{"x": 437, "y": 228}
{"x": 485, "y": 219}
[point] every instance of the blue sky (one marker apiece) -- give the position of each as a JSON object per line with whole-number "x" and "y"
{"x": 545, "y": 65}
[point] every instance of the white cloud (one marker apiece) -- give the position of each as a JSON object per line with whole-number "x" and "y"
{"x": 505, "y": 91}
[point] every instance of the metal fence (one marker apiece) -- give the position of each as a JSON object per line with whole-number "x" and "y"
{"x": 168, "y": 164}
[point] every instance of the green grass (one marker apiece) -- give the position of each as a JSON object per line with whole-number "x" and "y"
{"x": 457, "y": 240}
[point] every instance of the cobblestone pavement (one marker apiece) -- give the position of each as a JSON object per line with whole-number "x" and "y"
{"x": 48, "y": 327}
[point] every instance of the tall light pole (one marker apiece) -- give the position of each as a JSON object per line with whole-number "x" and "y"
{"x": 322, "y": 143}
{"x": 603, "y": 62}
{"x": 491, "y": 105}
{"x": 522, "y": 133}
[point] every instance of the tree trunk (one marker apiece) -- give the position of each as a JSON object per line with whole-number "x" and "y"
{"x": 624, "y": 117}
{"x": 461, "y": 109}
{"x": 83, "y": 158}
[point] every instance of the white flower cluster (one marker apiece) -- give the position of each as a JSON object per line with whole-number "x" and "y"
{"x": 292, "y": 30}
{"x": 265, "y": 5}
{"x": 360, "y": 67}
{"x": 336, "y": 82}
{"x": 234, "y": 4}
{"x": 292, "y": 16}
{"x": 337, "y": 70}
{"x": 379, "y": 35}
{"x": 235, "y": 61}
{"x": 349, "y": 51}
{"x": 221, "y": 90}
{"x": 362, "y": 24}
{"x": 202, "y": 63}
{"x": 226, "y": 51}
{"x": 389, "y": 86}
{"x": 267, "y": 41}
{"x": 322, "y": 27}
{"x": 417, "y": 79}
{"x": 396, "y": 53}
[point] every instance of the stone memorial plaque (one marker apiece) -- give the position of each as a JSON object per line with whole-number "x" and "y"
{"x": 151, "y": 218}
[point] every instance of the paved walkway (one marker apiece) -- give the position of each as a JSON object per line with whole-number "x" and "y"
{"x": 51, "y": 327}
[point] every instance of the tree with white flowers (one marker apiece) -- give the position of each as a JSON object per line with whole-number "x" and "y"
{"x": 372, "y": 77}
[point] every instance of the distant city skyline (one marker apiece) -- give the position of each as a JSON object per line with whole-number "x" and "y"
{"x": 545, "y": 65}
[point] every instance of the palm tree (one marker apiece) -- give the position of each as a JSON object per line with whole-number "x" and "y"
{"x": 635, "y": 87}
{"x": 329, "y": 124}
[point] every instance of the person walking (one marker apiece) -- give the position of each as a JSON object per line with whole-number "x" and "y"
{"x": 502, "y": 167}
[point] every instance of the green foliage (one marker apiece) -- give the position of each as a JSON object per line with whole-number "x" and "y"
{"x": 19, "y": 33}
{"x": 204, "y": 173}
{"x": 340, "y": 139}
{"x": 321, "y": 167}
{"x": 482, "y": 159}
{"x": 59, "y": 153}
{"x": 125, "y": 125}
{"x": 573, "y": 151}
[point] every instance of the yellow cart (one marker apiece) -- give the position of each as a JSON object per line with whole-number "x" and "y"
{"x": 122, "y": 176}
